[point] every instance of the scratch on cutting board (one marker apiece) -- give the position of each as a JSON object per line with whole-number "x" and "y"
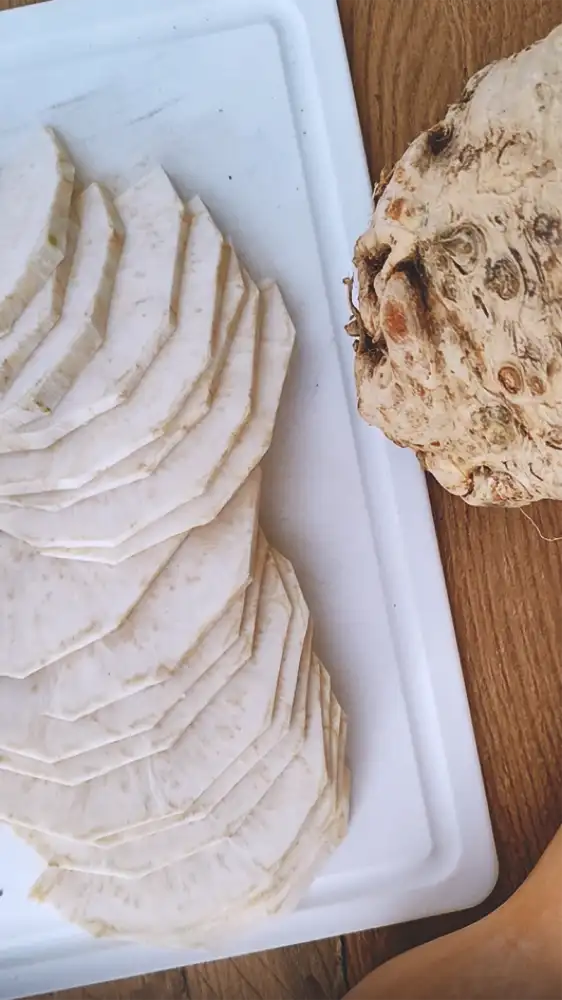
{"x": 72, "y": 100}
{"x": 155, "y": 111}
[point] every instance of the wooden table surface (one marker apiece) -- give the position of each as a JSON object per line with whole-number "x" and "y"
{"x": 409, "y": 59}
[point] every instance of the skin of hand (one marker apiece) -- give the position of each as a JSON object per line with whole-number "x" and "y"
{"x": 515, "y": 953}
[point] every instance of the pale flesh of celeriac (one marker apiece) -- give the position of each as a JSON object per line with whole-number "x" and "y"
{"x": 35, "y": 195}
{"x": 170, "y": 744}
{"x": 56, "y": 363}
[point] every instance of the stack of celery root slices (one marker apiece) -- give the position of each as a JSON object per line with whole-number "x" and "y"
{"x": 169, "y": 742}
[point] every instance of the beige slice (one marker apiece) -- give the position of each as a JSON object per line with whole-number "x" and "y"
{"x": 194, "y": 890}
{"x": 158, "y": 514}
{"x": 296, "y": 653}
{"x": 185, "y": 473}
{"x": 143, "y": 309}
{"x": 38, "y": 318}
{"x": 212, "y": 297}
{"x": 315, "y": 840}
{"x": 322, "y": 832}
{"x": 324, "y": 829}
{"x": 35, "y": 194}
{"x": 150, "y": 789}
{"x": 50, "y": 608}
{"x": 113, "y": 907}
{"x": 143, "y": 461}
{"x": 56, "y": 363}
{"x": 300, "y": 866}
{"x": 167, "y": 385}
{"x": 52, "y": 740}
{"x": 206, "y": 572}
{"x": 203, "y": 678}
{"x": 223, "y": 813}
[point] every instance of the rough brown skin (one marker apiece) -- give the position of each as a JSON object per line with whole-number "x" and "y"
{"x": 458, "y": 330}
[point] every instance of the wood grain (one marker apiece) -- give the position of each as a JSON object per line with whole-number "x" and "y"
{"x": 409, "y": 59}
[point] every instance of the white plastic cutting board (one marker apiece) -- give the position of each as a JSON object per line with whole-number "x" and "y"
{"x": 249, "y": 104}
